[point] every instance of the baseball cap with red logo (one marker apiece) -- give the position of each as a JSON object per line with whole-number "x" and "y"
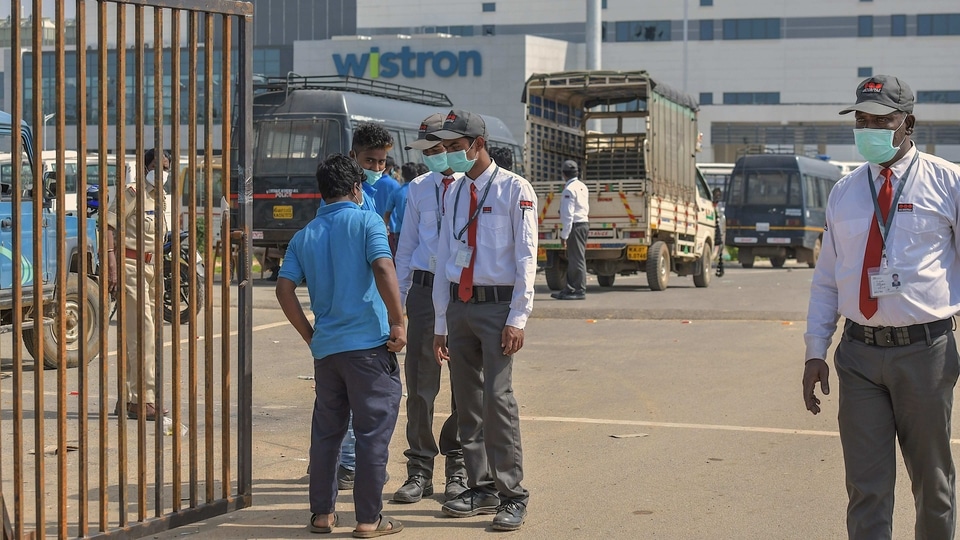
{"x": 882, "y": 94}
{"x": 460, "y": 123}
{"x": 430, "y": 125}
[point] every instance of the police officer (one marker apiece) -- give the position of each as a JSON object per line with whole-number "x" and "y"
{"x": 146, "y": 223}
{"x": 483, "y": 295}
{"x": 574, "y": 227}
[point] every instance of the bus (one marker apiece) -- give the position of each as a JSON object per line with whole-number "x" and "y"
{"x": 299, "y": 120}
{"x": 776, "y": 207}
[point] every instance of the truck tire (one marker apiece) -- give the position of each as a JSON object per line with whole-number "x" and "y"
{"x": 658, "y": 266}
{"x": 778, "y": 261}
{"x": 606, "y": 281}
{"x": 90, "y": 341}
{"x": 556, "y": 275}
{"x": 746, "y": 258}
{"x": 702, "y": 278}
{"x": 816, "y": 254}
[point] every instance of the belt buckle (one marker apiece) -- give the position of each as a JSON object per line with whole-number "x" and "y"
{"x": 479, "y": 294}
{"x": 883, "y": 336}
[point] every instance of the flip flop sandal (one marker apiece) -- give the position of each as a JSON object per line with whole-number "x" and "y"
{"x": 322, "y": 530}
{"x": 388, "y": 525}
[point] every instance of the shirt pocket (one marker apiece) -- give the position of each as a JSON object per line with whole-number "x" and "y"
{"x": 428, "y": 225}
{"x": 920, "y": 227}
{"x": 493, "y": 231}
{"x": 850, "y": 239}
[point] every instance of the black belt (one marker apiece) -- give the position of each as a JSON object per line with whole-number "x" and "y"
{"x": 483, "y": 294}
{"x": 897, "y": 336}
{"x": 422, "y": 277}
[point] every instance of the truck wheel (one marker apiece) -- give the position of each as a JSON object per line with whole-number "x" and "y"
{"x": 778, "y": 261}
{"x": 658, "y": 266}
{"x": 746, "y": 258}
{"x": 702, "y": 278}
{"x": 556, "y": 275}
{"x": 606, "y": 281}
{"x": 90, "y": 340}
{"x": 185, "y": 269}
{"x": 816, "y": 254}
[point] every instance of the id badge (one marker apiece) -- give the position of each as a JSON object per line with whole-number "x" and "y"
{"x": 884, "y": 282}
{"x": 464, "y": 254}
{"x": 433, "y": 264}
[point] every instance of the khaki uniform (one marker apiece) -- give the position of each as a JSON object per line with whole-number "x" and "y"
{"x": 152, "y": 225}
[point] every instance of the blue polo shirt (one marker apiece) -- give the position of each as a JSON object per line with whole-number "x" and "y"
{"x": 333, "y": 255}
{"x": 385, "y": 188}
{"x": 368, "y": 198}
{"x": 397, "y": 205}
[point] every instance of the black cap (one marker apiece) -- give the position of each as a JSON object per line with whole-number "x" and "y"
{"x": 459, "y": 123}
{"x": 570, "y": 166}
{"x": 882, "y": 94}
{"x": 430, "y": 125}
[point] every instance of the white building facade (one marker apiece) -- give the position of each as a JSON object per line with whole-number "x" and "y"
{"x": 768, "y": 73}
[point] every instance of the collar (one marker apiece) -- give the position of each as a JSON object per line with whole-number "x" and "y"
{"x": 438, "y": 178}
{"x": 481, "y": 181}
{"x": 336, "y": 207}
{"x": 899, "y": 168}
{"x": 572, "y": 180}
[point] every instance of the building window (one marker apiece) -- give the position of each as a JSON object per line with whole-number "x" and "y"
{"x": 603, "y": 5}
{"x": 864, "y": 72}
{"x": 938, "y": 25}
{"x": 865, "y": 26}
{"x": 706, "y": 2}
{"x": 751, "y": 29}
{"x": 489, "y": 7}
{"x": 938, "y": 96}
{"x": 751, "y": 98}
{"x": 643, "y": 30}
{"x": 706, "y": 30}
{"x": 898, "y": 25}
{"x": 489, "y": 30}
{"x": 706, "y": 98}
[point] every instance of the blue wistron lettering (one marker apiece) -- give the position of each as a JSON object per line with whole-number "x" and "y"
{"x": 409, "y": 64}
{"x": 349, "y": 65}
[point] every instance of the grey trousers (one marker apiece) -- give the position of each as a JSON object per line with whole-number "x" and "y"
{"x": 482, "y": 380}
{"x": 368, "y": 384}
{"x": 422, "y": 375}
{"x": 577, "y": 258}
{"x": 904, "y": 393}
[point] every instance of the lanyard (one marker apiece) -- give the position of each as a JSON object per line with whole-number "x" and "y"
{"x": 885, "y": 227}
{"x": 476, "y": 213}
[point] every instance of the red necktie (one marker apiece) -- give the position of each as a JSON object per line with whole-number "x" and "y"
{"x": 447, "y": 180}
{"x": 874, "y": 251}
{"x": 466, "y": 275}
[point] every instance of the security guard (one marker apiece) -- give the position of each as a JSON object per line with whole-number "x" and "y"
{"x": 574, "y": 228}
{"x": 148, "y": 224}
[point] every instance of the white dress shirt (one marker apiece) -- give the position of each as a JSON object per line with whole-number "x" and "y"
{"x": 417, "y": 246}
{"x": 922, "y": 247}
{"x": 506, "y": 251}
{"x": 574, "y": 206}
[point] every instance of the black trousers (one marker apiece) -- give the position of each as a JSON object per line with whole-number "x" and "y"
{"x": 577, "y": 258}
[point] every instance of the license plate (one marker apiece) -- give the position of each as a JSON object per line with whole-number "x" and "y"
{"x": 541, "y": 254}
{"x": 282, "y": 212}
{"x": 637, "y": 253}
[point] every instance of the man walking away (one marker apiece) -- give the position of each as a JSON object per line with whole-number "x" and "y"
{"x": 574, "y": 228}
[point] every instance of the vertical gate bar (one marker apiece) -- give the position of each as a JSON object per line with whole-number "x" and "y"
{"x": 245, "y": 291}
{"x": 208, "y": 393}
{"x": 16, "y": 149}
{"x": 226, "y": 86}
{"x": 192, "y": 228}
{"x": 159, "y": 197}
{"x": 177, "y": 187}
{"x": 83, "y": 386}
{"x": 123, "y": 355}
{"x": 38, "y": 308}
{"x": 103, "y": 123}
{"x": 141, "y": 289}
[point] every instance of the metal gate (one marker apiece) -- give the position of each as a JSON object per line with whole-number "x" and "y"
{"x": 124, "y": 77}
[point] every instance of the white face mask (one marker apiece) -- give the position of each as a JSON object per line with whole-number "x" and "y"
{"x": 151, "y": 177}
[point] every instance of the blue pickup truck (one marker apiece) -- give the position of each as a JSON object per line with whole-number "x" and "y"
{"x": 44, "y": 272}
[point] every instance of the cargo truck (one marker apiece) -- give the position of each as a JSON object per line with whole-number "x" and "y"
{"x": 635, "y": 141}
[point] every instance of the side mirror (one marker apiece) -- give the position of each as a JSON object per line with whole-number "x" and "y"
{"x": 50, "y": 184}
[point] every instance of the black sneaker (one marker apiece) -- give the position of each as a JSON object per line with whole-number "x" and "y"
{"x": 345, "y": 477}
{"x": 454, "y": 488}
{"x": 415, "y": 488}
{"x": 472, "y": 503}
{"x": 510, "y": 516}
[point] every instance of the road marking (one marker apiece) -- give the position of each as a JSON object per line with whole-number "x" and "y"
{"x": 715, "y": 427}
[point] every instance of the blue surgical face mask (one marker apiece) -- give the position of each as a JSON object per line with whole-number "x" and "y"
{"x": 437, "y": 162}
{"x": 458, "y": 160}
{"x": 876, "y": 145}
{"x": 372, "y": 176}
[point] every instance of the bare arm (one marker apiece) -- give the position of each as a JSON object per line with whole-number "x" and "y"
{"x": 385, "y": 276}
{"x": 290, "y": 304}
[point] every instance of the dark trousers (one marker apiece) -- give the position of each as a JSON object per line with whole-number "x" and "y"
{"x": 423, "y": 384}
{"x": 577, "y": 258}
{"x": 905, "y": 394}
{"x": 368, "y": 384}
{"x": 482, "y": 379}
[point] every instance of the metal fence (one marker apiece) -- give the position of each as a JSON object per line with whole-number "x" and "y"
{"x": 70, "y": 466}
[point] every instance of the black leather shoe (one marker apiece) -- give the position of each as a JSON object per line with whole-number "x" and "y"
{"x": 510, "y": 516}
{"x": 454, "y": 488}
{"x": 572, "y": 296}
{"x": 415, "y": 488}
{"x": 556, "y": 295}
{"x": 345, "y": 477}
{"x": 472, "y": 503}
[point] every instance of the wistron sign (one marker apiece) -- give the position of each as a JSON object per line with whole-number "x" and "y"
{"x": 409, "y": 64}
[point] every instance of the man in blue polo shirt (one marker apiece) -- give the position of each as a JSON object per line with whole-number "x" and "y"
{"x": 344, "y": 257}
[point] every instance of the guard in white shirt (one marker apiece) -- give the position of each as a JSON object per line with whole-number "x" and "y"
{"x": 890, "y": 266}
{"x": 574, "y": 228}
{"x": 483, "y": 294}
{"x": 416, "y": 265}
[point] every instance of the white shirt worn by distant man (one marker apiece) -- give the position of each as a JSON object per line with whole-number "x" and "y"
{"x": 574, "y": 206}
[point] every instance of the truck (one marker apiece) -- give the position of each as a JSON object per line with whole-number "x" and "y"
{"x": 43, "y": 271}
{"x": 635, "y": 140}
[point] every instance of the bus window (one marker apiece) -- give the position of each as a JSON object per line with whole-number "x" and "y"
{"x": 291, "y": 147}
{"x": 776, "y": 188}
{"x": 812, "y": 187}
{"x": 93, "y": 174}
{"x": 826, "y": 185}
